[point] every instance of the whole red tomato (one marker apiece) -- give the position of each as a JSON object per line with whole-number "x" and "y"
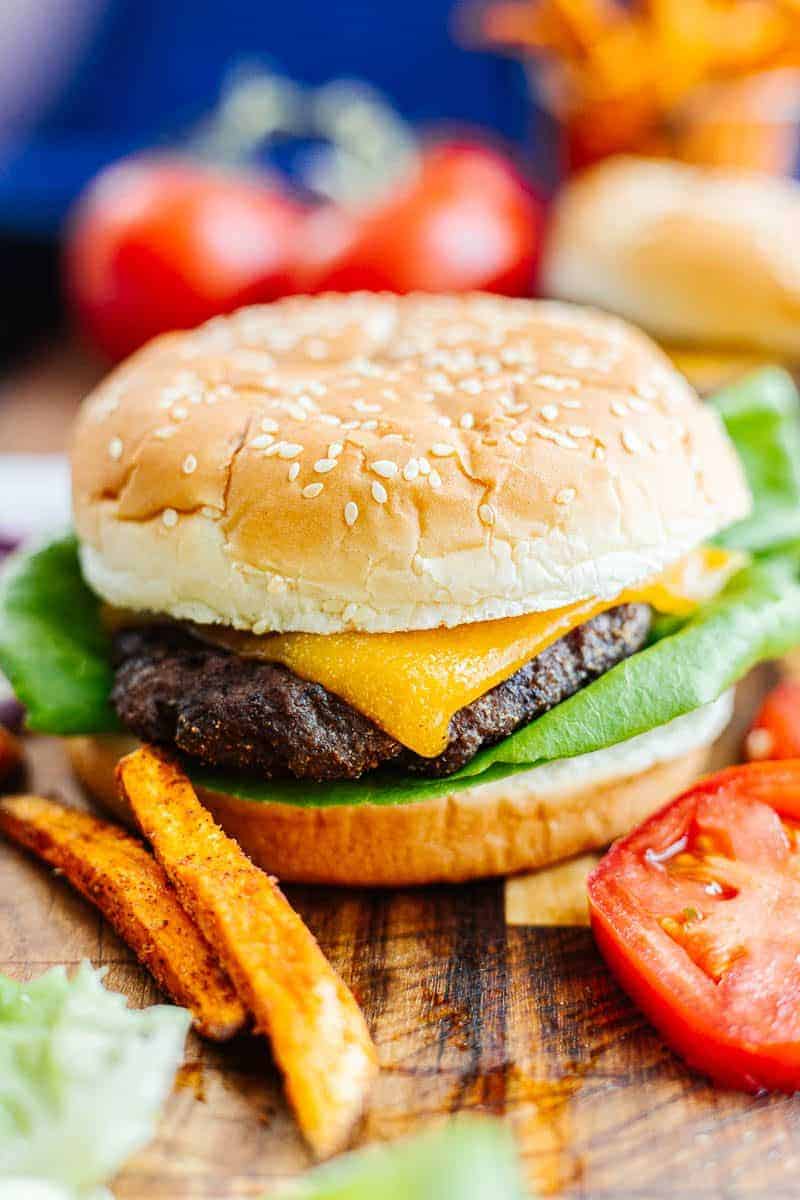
{"x": 464, "y": 220}
{"x": 159, "y": 243}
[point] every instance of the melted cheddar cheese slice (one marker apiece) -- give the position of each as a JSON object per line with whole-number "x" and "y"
{"x": 411, "y": 684}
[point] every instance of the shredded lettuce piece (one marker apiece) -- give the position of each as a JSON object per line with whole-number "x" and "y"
{"x": 82, "y": 1080}
{"x": 468, "y": 1159}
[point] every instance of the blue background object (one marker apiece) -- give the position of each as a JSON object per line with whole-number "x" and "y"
{"x": 150, "y": 68}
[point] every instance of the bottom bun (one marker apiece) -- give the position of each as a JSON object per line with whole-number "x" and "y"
{"x": 498, "y": 829}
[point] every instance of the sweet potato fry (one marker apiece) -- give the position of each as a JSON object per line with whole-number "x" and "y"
{"x": 10, "y": 754}
{"x": 318, "y": 1034}
{"x": 118, "y": 874}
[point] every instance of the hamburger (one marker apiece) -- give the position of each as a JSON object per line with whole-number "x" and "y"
{"x": 418, "y": 588}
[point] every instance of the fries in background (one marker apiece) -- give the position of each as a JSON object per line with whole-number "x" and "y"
{"x": 116, "y": 872}
{"x": 10, "y": 754}
{"x": 622, "y": 75}
{"x": 317, "y": 1031}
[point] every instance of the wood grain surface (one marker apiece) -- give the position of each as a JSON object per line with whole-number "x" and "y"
{"x": 469, "y": 1011}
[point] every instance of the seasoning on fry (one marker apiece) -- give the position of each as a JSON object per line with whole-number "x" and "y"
{"x": 116, "y": 872}
{"x": 318, "y": 1034}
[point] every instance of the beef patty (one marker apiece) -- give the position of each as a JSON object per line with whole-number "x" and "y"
{"x": 236, "y": 712}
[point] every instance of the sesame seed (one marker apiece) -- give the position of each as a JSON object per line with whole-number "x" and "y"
{"x": 262, "y": 441}
{"x": 578, "y": 431}
{"x": 379, "y": 493}
{"x": 115, "y": 448}
{"x": 180, "y": 413}
{"x": 618, "y": 408}
{"x": 647, "y": 390}
{"x": 289, "y": 449}
{"x": 385, "y": 468}
{"x": 411, "y": 470}
{"x": 169, "y": 518}
{"x": 466, "y": 421}
{"x": 442, "y": 449}
{"x": 599, "y": 453}
{"x": 164, "y": 432}
{"x": 350, "y": 424}
{"x": 556, "y": 383}
{"x": 316, "y": 388}
{"x": 571, "y": 402}
{"x": 393, "y": 437}
{"x": 269, "y": 426}
{"x": 329, "y": 418}
{"x": 631, "y": 441}
{"x": 473, "y": 387}
{"x": 424, "y": 466}
{"x": 273, "y": 450}
{"x": 312, "y": 490}
{"x": 299, "y": 414}
{"x": 486, "y": 514}
{"x": 435, "y": 479}
{"x": 637, "y": 405}
{"x": 362, "y": 407}
{"x": 189, "y": 465}
{"x": 369, "y": 425}
{"x": 335, "y": 449}
{"x": 350, "y": 512}
{"x": 293, "y": 472}
{"x": 548, "y": 412}
{"x": 323, "y": 465}
{"x": 565, "y": 496}
{"x": 559, "y": 439}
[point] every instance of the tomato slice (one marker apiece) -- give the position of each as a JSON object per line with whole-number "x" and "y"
{"x": 697, "y": 913}
{"x": 775, "y": 733}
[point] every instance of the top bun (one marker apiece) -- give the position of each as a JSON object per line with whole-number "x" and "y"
{"x": 696, "y": 256}
{"x": 379, "y": 463}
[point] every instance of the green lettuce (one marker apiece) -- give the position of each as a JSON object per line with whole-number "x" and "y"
{"x": 762, "y": 416}
{"x": 53, "y": 647}
{"x": 82, "y": 1078}
{"x": 468, "y": 1159}
{"x": 54, "y": 650}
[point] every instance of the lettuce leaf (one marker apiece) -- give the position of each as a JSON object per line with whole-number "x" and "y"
{"x": 54, "y": 650}
{"x": 762, "y": 416}
{"x": 469, "y": 1159}
{"x": 82, "y": 1077}
{"x": 53, "y": 647}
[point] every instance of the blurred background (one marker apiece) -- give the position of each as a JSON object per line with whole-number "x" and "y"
{"x": 162, "y": 162}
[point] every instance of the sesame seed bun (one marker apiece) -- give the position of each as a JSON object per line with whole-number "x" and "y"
{"x": 383, "y": 463}
{"x": 694, "y": 255}
{"x": 517, "y": 824}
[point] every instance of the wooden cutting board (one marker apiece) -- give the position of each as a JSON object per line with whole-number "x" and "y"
{"x": 475, "y": 1005}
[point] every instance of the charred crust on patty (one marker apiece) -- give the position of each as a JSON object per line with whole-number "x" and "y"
{"x": 227, "y": 711}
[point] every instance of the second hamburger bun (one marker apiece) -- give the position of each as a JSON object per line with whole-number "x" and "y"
{"x": 693, "y": 255}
